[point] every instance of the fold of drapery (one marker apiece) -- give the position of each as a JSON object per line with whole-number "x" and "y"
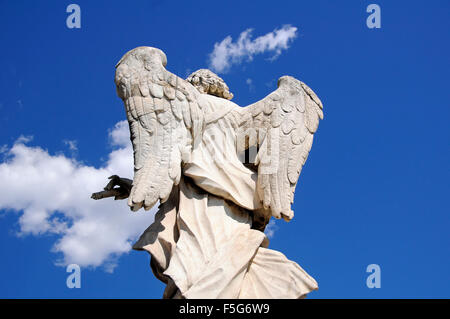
{"x": 210, "y": 251}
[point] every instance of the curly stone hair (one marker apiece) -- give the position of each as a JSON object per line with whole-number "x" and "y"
{"x": 209, "y": 83}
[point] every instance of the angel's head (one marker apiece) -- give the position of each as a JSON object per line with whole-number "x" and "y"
{"x": 210, "y": 83}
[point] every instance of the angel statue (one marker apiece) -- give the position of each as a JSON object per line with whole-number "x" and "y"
{"x": 219, "y": 172}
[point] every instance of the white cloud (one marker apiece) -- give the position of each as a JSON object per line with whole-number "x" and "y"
{"x": 51, "y": 194}
{"x": 120, "y": 135}
{"x": 227, "y": 53}
{"x": 24, "y": 139}
{"x": 271, "y": 228}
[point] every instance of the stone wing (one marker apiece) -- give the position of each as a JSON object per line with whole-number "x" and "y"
{"x": 163, "y": 115}
{"x": 285, "y": 121}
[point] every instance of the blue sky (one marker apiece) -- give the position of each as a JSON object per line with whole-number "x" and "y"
{"x": 374, "y": 189}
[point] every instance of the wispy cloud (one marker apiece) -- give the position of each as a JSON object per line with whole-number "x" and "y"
{"x": 271, "y": 228}
{"x": 249, "y": 82}
{"x": 51, "y": 194}
{"x": 72, "y": 145}
{"x": 226, "y": 53}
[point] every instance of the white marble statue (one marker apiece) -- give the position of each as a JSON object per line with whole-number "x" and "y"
{"x": 219, "y": 172}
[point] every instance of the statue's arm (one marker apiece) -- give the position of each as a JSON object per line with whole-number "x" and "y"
{"x": 110, "y": 190}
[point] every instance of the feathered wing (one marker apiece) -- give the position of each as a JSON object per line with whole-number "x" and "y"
{"x": 163, "y": 115}
{"x": 285, "y": 121}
